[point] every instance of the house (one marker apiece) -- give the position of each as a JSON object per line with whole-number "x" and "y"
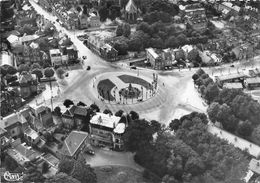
{"x": 76, "y": 117}
{"x": 105, "y": 130}
{"x": 131, "y": 12}
{"x": 253, "y": 174}
{"x": 4, "y": 140}
{"x": 14, "y": 124}
{"x": 28, "y": 85}
{"x": 83, "y": 20}
{"x": 94, "y": 43}
{"x": 94, "y": 20}
{"x": 74, "y": 144}
{"x": 57, "y": 58}
{"x": 108, "y": 52}
{"x": 154, "y": 58}
{"x": 7, "y": 60}
{"x": 41, "y": 118}
{"x": 31, "y": 136}
{"x": 252, "y": 83}
{"x": 72, "y": 54}
{"x": 235, "y": 77}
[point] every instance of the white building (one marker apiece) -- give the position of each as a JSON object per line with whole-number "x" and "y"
{"x": 57, "y": 58}
{"x": 106, "y": 130}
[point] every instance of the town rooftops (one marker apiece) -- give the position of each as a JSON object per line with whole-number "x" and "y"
{"x": 28, "y": 38}
{"x": 254, "y": 166}
{"x": 106, "y": 120}
{"x": 230, "y": 76}
{"x": 152, "y": 52}
{"x": 73, "y": 142}
{"x": 252, "y": 80}
{"x": 12, "y": 120}
{"x": 78, "y": 110}
{"x": 233, "y": 85}
{"x": 6, "y": 59}
{"x": 187, "y": 48}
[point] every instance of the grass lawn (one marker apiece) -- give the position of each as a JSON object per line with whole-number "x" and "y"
{"x": 106, "y": 85}
{"x": 118, "y": 174}
{"x": 135, "y": 80}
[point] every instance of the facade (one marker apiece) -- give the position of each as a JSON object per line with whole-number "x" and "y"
{"x": 14, "y": 124}
{"x": 233, "y": 85}
{"x": 131, "y": 12}
{"x": 56, "y": 57}
{"x": 28, "y": 85}
{"x": 252, "y": 83}
{"x": 108, "y": 52}
{"x": 75, "y": 117}
{"x": 74, "y": 144}
{"x": 94, "y": 20}
{"x": 105, "y": 130}
{"x": 237, "y": 77}
{"x": 154, "y": 58}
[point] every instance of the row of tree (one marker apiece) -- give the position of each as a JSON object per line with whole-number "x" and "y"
{"x": 236, "y": 111}
{"x": 190, "y": 154}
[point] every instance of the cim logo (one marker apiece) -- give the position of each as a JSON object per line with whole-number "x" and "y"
{"x": 13, "y": 177}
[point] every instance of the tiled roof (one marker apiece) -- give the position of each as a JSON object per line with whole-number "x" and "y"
{"x": 83, "y": 111}
{"x": 131, "y": 7}
{"x": 73, "y": 142}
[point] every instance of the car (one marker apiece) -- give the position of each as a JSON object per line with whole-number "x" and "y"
{"x": 90, "y": 151}
{"x": 232, "y": 66}
{"x": 133, "y": 67}
{"x": 67, "y": 75}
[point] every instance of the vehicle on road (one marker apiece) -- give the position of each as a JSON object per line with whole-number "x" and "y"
{"x": 232, "y": 66}
{"x": 133, "y": 67}
{"x": 88, "y": 68}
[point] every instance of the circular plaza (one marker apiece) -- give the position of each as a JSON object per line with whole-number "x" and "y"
{"x": 124, "y": 87}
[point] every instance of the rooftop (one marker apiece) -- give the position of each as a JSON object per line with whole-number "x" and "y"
{"x": 73, "y": 142}
{"x": 31, "y": 133}
{"x": 106, "y": 120}
{"x": 253, "y": 80}
{"x": 152, "y": 52}
{"x": 254, "y": 166}
{"x": 54, "y": 51}
{"x": 12, "y": 119}
{"x": 233, "y": 85}
{"x": 120, "y": 128}
{"x": 131, "y": 7}
{"x": 230, "y": 76}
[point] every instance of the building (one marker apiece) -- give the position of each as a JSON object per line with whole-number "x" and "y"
{"x": 105, "y": 130}
{"x": 108, "y": 52}
{"x": 41, "y": 118}
{"x": 28, "y": 84}
{"x": 31, "y": 137}
{"x": 131, "y": 12}
{"x": 94, "y": 20}
{"x": 74, "y": 144}
{"x": 230, "y": 78}
{"x": 227, "y": 8}
{"x": 233, "y": 86}
{"x": 154, "y": 58}
{"x": 253, "y": 174}
{"x": 4, "y": 140}
{"x": 14, "y": 124}
{"x": 56, "y": 57}
{"x": 75, "y": 117}
{"x": 83, "y": 20}
{"x": 252, "y": 83}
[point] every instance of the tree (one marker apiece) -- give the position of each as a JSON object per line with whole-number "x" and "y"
{"x": 45, "y": 167}
{"x": 85, "y": 10}
{"x": 244, "y": 128}
{"x": 145, "y": 27}
{"x": 78, "y": 170}
{"x": 256, "y": 135}
{"x": 48, "y": 73}
{"x": 107, "y": 111}
{"x": 23, "y": 67}
{"x": 61, "y": 178}
{"x": 10, "y": 164}
{"x": 194, "y": 57}
{"x": 156, "y": 126}
{"x": 121, "y": 47}
{"x": 35, "y": 66}
{"x": 195, "y": 77}
{"x": 200, "y": 72}
{"x": 172, "y": 42}
{"x": 57, "y": 111}
{"x": 126, "y": 29}
{"x": 67, "y": 103}
{"x": 175, "y": 124}
{"x": 182, "y": 39}
{"x": 195, "y": 166}
{"x": 60, "y": 72}
{"x": 32, "y": 174}
{"x": 81, "y": 104}
{"x": 211, "y": 92}
{"x": 119, "y": 113}
{"x": 11, "y": 70}
{"x": 212, "y": 111}
{"x": 78, "y": 9}
{"x": 103, "y": 13}
{"x": 134, "y": 115}
{"x": 38, "y": 73}
{"x": 119, "y": 30}
{"x": 94, "y": 107}
{"x": 137, "y": 135}
{"x": 114, "y": 12}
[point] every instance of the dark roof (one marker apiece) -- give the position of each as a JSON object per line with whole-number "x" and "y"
{"x": 78, "y": 110}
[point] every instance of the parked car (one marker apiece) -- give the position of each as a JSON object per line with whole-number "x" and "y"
{"x": 90, "y": 151}
{"x": 88, "y": 68}
{"x": 133, "y": 67}
{"x": 232, "y": 66}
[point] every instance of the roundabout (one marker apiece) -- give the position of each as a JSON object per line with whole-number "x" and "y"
{"x": 124, "y": 88}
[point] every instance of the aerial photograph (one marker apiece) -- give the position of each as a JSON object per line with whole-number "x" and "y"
{"x": 130, "y": 91}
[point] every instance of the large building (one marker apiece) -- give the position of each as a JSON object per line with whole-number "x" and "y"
{"x": 230, "y": 78}
{"x": 131, "y": 12}
{"x": 106, "y": 130}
